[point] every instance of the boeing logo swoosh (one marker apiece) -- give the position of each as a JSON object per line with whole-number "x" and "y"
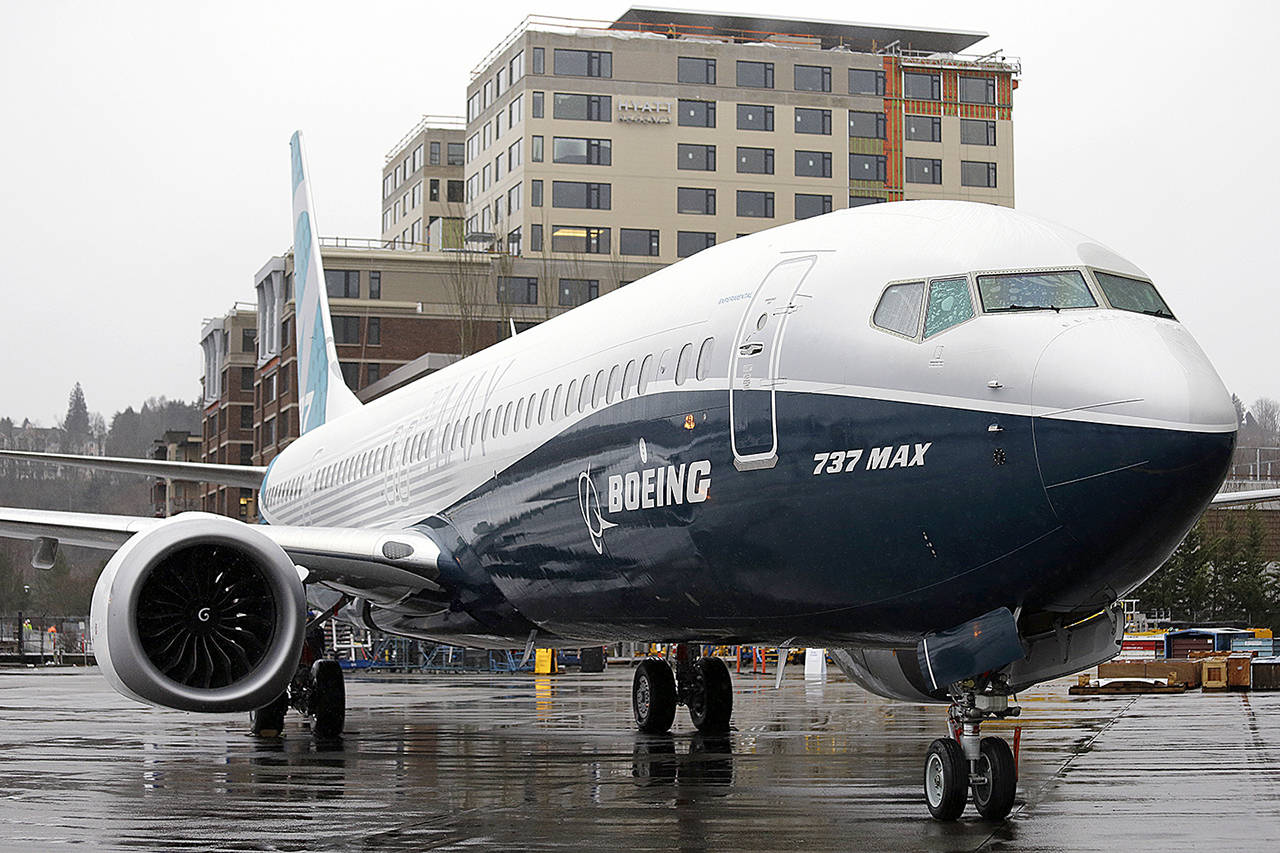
{"x": 589, "y": 503}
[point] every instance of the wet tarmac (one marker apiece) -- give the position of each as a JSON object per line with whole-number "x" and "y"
{"x": 505, "y": 762}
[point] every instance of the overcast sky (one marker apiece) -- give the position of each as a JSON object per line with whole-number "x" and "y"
{"x": 144, "y": 157}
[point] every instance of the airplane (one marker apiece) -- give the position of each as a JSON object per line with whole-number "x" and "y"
{"x": 939, "y": 438}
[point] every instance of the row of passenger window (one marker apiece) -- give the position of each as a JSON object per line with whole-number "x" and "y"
{"x": 950, "y": 300}
{"x": 589, "y": 393}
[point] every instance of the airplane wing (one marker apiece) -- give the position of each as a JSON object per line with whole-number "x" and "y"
{"x": 381, "y": 566}
{"x": 243, "y": 476}
{"x": 1243, "y": 498}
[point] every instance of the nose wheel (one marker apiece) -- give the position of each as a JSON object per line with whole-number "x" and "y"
{"x": 969, "y": 763}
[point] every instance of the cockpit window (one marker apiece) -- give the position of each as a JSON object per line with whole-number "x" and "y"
{"x": 1034, "y": 291}
{"x": 899, "y": 308}
{"x": 1132, "y": 294}
{"x": 949, "y": 304}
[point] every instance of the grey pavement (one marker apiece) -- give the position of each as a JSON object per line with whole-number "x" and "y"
{"x": 517, "y": 762}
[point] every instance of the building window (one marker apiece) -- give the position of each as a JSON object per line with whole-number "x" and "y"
{"x": 246, "y": 417}
{"x": 865, "y": 81}
{"x": 435, "y": 154}
{"x": 433, "y": 191}
{"x": 457, "y": 153}
{"x": 813, "y": 121}
{"x": 375, "y": 284}
{"x": 813, "y": 78}
{"x": 269, "y": 388}
{"x": 513, "y": 199}
{"x": 755, "y": 161}
{"x": 590, "y": 152}
{"x": 249, "y": 340}
{"x": 697, "y": 113}
{"x": 269, "y": 431}
{"x": 976, "y": 173}
{"x": 350, "y": 374}
{"x": 537, "y": 104}
{"x": 813, "y": 164}
{"x": 515, "y": 68}
{"x": 513, "y": 242}
{"x": 693, "y": 69}
{"x": 536, "y": 152}
{"x": 575, "y": 291}
{"x": 975, "y": 131}
{"x": 922, "y": 170}
{"x": 921, "y": 86}
{"x": 923, "y": 128}
{"x": 691, "y": 242}
{"x": 375, "y": 331}
{"x": 755, "y": 75}
{"x": 455, "y": 191}
{"x": 246, "y": 379}
{"x": 539, "y": 60}
{"x": 535, "y": 193}
{"x": 515, "y": 155}
{"x": 755, "y": 203}
{"x": 517, "y": 290}
{"x": 867, "y": 167}
{"x": 583, "y": 63}
{"x": 581, "y": 194}
{"x": 638, "y": 241}
{"x": 473, "y": 107}
{"x": 535, "y": 238}
{"x": 755, "y": 117}
{"x": 417, "y": 158}
{"x": 580, "y": 239}
{"x": 373, "y": 372}
{"x": 695, "y": 200}
{"x": 342, "y": 284}
{"x": 808, "y": 205}
{"x": 699, "y": 158}
{"x": 582, "y": 107}
{"x": 977, "y": 90}
{"x": 866, "y": 125}
{"x": 346, "y": 330}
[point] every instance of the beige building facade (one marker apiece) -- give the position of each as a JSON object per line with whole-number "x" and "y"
{"x": 422, "y": 182}
{"x": 661, "y": 133}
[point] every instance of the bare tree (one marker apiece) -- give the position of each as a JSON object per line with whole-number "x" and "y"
{"x": 1266, "y": 414}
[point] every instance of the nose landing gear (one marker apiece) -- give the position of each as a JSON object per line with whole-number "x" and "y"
{"x": 967, "y": 762}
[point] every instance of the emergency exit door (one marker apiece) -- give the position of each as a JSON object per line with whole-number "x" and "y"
{"x": 753, "y": 369}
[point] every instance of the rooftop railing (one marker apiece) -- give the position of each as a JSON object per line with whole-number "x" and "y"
{"x": 427, "y": 122}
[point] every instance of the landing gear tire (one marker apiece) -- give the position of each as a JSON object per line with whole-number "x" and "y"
{"x": 653, "y": 696}
{"x": 710, "y": 697}
{"x": 996, "y": 782}
{"x": 946, "y": 779}
{"x": 268, "y": 721}
{"x": 328, "y": 700}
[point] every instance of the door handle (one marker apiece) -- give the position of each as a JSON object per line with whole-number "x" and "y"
{"x": 753, "y": 348}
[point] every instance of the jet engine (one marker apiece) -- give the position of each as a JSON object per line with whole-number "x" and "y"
{"x": 199, "y": 613}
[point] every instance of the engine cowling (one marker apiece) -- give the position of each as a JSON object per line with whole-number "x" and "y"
{"x": 199, "y": 613}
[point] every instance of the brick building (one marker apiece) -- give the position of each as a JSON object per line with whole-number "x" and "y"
{"x": 230, "y": 346}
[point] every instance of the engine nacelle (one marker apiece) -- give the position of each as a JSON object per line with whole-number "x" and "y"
{"x": 199, "y": 613}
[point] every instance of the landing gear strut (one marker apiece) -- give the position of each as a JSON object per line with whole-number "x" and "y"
{"x": 702, "y": 684}
{"x": 966, "y": 761}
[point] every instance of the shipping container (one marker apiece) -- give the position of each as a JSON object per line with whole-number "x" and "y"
{"x": 1264, "y": 646}
{"x": 1265, "y": 673}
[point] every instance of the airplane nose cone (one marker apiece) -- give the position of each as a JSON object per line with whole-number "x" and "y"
{"x": 1133, "y": 433}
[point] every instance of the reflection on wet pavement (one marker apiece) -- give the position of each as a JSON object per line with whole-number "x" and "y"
{"x": 517, "y": 762}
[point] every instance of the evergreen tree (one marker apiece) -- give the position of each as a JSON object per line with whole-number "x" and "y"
{"x": 76, "y": 423}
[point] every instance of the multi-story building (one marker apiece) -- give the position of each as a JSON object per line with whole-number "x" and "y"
{"x": 173, "y": 496}
{"x": 230, "y": 345}
{"x": 662, "y": 133}
{"x": 422, "y": 182}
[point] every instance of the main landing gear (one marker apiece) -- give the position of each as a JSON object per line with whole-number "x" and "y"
{"x": 317, "y": 691}
{"x": 967, "y": 762}
{"x": 703, "y": 685}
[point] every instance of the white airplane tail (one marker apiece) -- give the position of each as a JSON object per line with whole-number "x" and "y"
{"x": 322, "y": 393}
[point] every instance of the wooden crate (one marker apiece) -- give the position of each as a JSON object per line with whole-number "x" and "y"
{"x": 1214, "y": 674}
{"x": 1238, "y": 671}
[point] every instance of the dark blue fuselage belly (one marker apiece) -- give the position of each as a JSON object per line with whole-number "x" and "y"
{"x": 999, "y": 510}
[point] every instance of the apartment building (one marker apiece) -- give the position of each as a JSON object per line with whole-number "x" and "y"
{"x": 664, "y": 132}
{"x": 422, "y": 182}
{"x": 230, "y": 347}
